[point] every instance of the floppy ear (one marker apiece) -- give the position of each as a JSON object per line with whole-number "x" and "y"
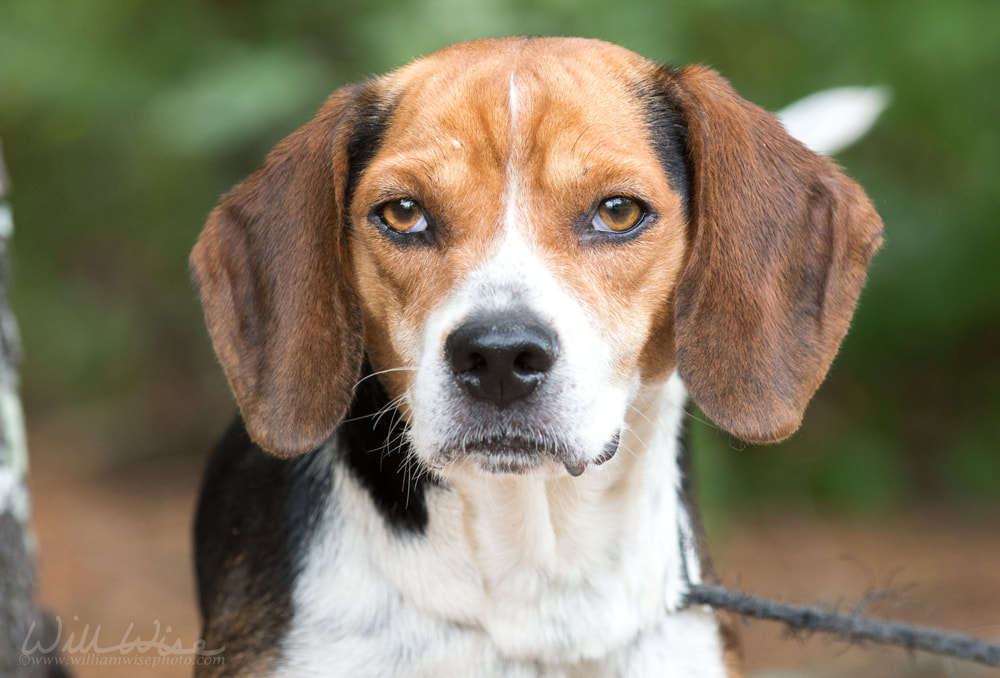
{"x": 780, "y": 244}
{"x": 274, "y": 280}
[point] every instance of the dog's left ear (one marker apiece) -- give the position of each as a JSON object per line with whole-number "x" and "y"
{"x": 273, "y": 275}
{"x": 780, "y": 244}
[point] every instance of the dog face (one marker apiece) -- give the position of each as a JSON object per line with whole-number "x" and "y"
{"x": 520, "y": 234}
{"x": 525, "y": 315}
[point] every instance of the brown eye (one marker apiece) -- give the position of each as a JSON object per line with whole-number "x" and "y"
{"x": 617, "y": 215}
{"x": 403, "y": 215}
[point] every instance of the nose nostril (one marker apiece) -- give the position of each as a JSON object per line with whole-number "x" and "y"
{"x": 467, "y": 362}
{"x": 477, "y": 363}
{"x": 529, "y": 363}
{"x": 501, "y": 359}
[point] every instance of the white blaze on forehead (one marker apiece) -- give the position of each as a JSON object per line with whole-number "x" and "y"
{"x": 512, "y": 181}
{"x": 514, "y": 189}
{"x": 514, "y": 101}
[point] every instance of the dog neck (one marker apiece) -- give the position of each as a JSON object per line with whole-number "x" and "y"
{"x": 627, "y": 513}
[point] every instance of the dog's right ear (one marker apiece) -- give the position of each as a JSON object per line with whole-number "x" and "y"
{"x": 274, "y": 277}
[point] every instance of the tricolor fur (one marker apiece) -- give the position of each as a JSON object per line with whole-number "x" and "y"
{"x": 431, "y": 526}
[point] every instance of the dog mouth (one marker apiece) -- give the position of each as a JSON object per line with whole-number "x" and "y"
{"x": 517, "y": 454}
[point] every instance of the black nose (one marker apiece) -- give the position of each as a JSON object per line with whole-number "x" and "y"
{"x": 501, "y": 358}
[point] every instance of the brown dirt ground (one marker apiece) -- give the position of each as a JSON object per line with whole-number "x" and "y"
{"x": 115, "y": 552}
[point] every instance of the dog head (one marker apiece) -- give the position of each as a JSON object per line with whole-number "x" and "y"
{"x": 520, "y": 234}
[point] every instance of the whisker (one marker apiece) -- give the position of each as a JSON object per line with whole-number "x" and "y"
{"x": 684, "y": 411}
{"x": 640, "y": 413}
{"x": 625, "y": 446}
{"x": 375, "y": 374}
{"x": 377, "y": 414}
{"x": 694, "y": 417}
{"x": 390, "y": 407}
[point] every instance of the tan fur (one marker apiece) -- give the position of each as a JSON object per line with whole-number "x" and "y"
{"x": 732, "y": 645}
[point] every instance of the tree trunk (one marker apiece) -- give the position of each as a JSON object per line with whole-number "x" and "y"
{"x": 19, "y": 612}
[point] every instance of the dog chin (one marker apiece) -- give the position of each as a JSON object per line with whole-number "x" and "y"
{"x": 518, "y": 456}
{"x": 517, "y": 464}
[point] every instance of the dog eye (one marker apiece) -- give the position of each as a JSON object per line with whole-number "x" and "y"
{"x": 403, "y": 215}
{"x": 617, "y": 215}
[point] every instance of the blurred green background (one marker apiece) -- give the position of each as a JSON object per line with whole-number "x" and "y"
{"x": 124, "y": 120}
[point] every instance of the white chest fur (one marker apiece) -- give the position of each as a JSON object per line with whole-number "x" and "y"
{"x": 515, "y": 575}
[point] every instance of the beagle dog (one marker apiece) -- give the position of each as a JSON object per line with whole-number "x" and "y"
{"x": 461, "y": 312}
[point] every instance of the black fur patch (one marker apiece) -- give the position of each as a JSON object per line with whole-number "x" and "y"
{"x": 256, "y": 516}
{"x": 370, "y": 123}
{"x": 379, "y": 457}
{"x": 665, "y": 120}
